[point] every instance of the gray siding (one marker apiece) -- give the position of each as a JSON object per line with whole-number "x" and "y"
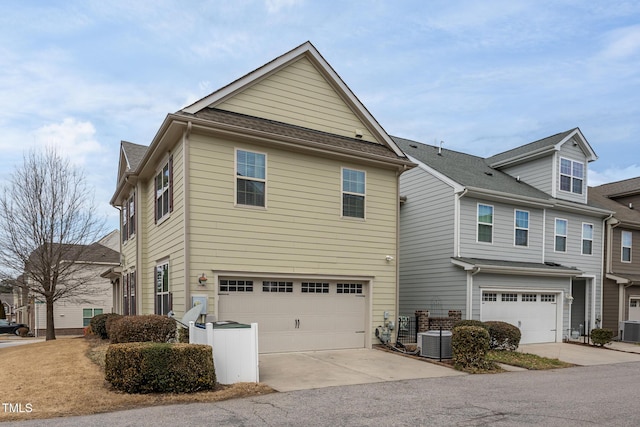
{"x": 503, "y": 246}
{"x": 428, "y": 280}
{"x": 535, "y": 173}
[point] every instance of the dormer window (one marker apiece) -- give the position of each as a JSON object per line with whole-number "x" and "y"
{"x": 571, "y": 176}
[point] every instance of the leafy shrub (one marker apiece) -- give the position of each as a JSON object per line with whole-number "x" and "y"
{"x": 160, "y": 367}
{"x": 23, "y": 332}
{"x": 98, "y": 324}
{"x": 503, "y": 335}
{"x": 183, "y": 335}
{"x": 150, "y": 327}
{"x": 110, "y": 321}
{"x": 470, "y": 345}
{"x": 601, "y": 336}
{"x": 470, "y": 322}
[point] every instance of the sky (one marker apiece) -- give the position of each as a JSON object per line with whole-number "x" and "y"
{"x": 482, "y": 76}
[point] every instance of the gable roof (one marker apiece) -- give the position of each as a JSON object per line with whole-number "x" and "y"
{"x": 308, "y": 51}
{"x": 626, "y": 187}
{"x": 540, "y": 148}
{"x": 468, "y": 170}
{"x": 622, "y": 212}
{"x": 133, "y": 154}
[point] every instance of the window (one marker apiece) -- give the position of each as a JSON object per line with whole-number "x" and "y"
{"x": 489, "y": 296}
{"x": 509, "y": 297}
{"x": 132, "y": 215}
{"x": 529, "y": 297}
{"x": 129, "y": 293}
{"x": 88, "y": 313}
{"x": 561, "y": 235}
{"x": 315, "y": 288}
{"x": 164, "y": 189}
{"x": 485, "y": 223}
{"x": 236, "y": 285}
{"x": 349, "y": 288}
{"x": 353, "y": 193}
{"x": 547, "y": 298}
{"x": 587, "y": 239}
{"x": 128, "y": 218}
{"x": 286, "y": 287}
{"x": 125, "y": 219}
{"x": 521, "y": 228}
{"x": 571, "y": 176}
{"x": 163, "y": 296}
{"x": 251, "y": 178}
{"x": 627, "y": 238}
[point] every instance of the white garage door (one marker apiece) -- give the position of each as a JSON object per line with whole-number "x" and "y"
{"x": 534, "y": 313}
{"x": 297, "y": 315}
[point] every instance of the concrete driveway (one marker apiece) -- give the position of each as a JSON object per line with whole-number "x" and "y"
{"x": 317, "y": 369}
{"x": 585, "y": 355}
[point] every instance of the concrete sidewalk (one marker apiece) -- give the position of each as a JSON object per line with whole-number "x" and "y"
{"x": 585, "y": 355}
{"x": 317, "y": 369}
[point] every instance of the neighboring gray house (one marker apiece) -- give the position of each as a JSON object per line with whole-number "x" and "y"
{"x": 509, "y": 237}
{"x": 621, "y": 281}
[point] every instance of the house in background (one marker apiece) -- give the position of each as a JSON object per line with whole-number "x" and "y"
{"x": 272, "y": 200}
{"x": 621, "y": 281}
{"x": 72, "y": 315}
{"x": 510, "y": 237}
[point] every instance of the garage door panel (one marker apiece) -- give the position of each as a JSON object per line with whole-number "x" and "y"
{"x": 299, "y": 321}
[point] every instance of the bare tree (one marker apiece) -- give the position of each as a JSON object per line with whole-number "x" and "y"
{"x": 47, "y": 219}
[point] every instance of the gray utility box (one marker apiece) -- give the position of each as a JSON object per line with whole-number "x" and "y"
{"x": 630, "y": 331}
{"x": 435, "y": 346}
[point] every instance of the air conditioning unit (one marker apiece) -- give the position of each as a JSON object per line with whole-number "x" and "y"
{"x": 434, "y": 346}
{"x": 630, "y": 331}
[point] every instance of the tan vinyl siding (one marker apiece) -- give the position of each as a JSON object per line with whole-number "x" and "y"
{"x": 298, "y": 95}
{"x": 301, "y": 230}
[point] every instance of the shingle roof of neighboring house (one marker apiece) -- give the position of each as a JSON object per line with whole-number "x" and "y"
{"x": 93, "y": 253}
{"x": 620, "y": 188}
{"x": 540, "y": 145}
{"x": 299, "y": 134}
{"x": 134, "y": 153}
{"x": 598, "y": 197}
{"x": 550, "y": 268}
{"x": 468, "y": 170}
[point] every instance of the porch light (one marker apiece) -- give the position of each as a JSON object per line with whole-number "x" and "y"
{"x": 569, "y": 299}
{"x": 202, "y": 280}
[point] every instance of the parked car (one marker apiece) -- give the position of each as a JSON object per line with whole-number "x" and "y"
{"x": 7, "y": 327}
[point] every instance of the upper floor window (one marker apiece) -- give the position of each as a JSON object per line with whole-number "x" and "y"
{"x": 561, "y": 235}
{"x": 521, "y": 228}
{"x": 626, "y": 246}
{"x": 353, "y": 193}
{"x": 128, "y": 218}
{"x": 485, "y": 223}
{"x": 164, "y": 190}
{"x": 571, "y": 176}
{"x": 251, "y": 178}
{"x": 587, "y": 239}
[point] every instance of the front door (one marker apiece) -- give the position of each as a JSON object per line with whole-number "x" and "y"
{"x": 579, "y": 305}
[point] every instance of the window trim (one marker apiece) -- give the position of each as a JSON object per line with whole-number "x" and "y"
{"x": 478, "y": 223}
{"x": 159, "y": 308}
{"x": 583, "y": 240}
{"x": 237, "y": 177}
{"x": 343, "y": 193}
{"x": 622, "y": 246}
{"x": 94, "y": 312}
{"x": 159, "y": 200}
{"x": 516, "y": 228}
{"x": 556, "y": 235}
{"x": 572, "y": 176}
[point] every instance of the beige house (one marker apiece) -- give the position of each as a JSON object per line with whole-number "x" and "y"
{"x": 272, "y": 200}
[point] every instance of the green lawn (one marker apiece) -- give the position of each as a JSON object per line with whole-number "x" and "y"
{"x": 525, "y": 360}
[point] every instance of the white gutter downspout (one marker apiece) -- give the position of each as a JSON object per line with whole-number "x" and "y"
{"x": 397, "y": 304}
{"x": 187, "y": 216}
{"x": 456, "y": 222}
{"x": 609, "y": 224}
{"x": 470, "y": 275}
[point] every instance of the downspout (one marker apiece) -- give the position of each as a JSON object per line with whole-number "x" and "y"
{"x": 470, "y": 275}
{"x": 399, "y": 172}
{"x": 609, "y": 224}
{"x": 187, "y": 216}
{"x": 456, "y": 222}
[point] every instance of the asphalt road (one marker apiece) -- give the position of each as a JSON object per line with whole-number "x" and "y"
{"x": 604, "y": 395}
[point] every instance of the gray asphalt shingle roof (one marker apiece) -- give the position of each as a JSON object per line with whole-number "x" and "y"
{"x": 134, "y": 153}
{"x": 619, "y": 188}
{"x": 532, "y": 147}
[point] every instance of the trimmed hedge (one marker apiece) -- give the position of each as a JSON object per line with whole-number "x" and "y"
{"x": 470, "y": 345}
{"x": 150, "y": 327}
{"x": 160, "y": 367}
{"x": 470, "y": 322}
{"x": 601, "y": 336}
{"x": 503, "y": 335}
{"x": 98, "y": 324}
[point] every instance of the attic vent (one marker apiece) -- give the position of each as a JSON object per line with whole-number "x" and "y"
{"x": 413, "y": 146}
{"x": 630, "y": 205}
{"x": 488, "y": 173}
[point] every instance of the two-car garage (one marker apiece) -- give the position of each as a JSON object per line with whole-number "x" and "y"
{"x": 298, "y": 314}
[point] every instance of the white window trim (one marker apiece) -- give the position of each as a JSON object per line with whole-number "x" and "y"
{"x": 236, "y": 177}
{"x": 515, "y": 227}
{"x": 583, "y": 238}
{"x": 342, "y": 193}
{"x": 622, "y": 246}
{"x": 584, "y": 177}
{"x": 155, "y": 192}
{"x": 566, "y": 236}
{"x": 159, "y": 265}
{"x": 493, "y": 214}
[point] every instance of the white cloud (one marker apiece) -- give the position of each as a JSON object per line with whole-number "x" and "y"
{"x": 613, "y": 174}
{"x": 622, "y": 43}
{"x": 274, "y": 6}
{"x": 73, "y": 139}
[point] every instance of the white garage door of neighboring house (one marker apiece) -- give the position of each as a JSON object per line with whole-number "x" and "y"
{"x": 634, "y": 308}
{"x": 534, "y": 313}
{"x": 294, "y": 315}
